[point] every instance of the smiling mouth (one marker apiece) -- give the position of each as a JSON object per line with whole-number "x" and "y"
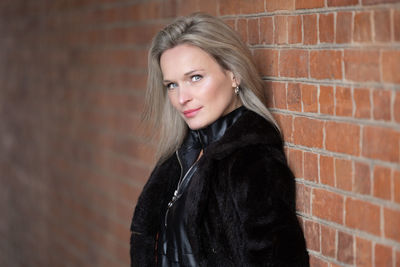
{"x": 191, "y": 112}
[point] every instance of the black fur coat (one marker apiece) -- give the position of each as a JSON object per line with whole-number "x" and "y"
{"x": 242, "y": 205}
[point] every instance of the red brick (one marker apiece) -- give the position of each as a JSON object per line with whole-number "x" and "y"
{"x": 392, "y": 222}
{"x": 303, "y": 197}
{"x": 310, "y": 166}
{"x": 344, "y": 101}
{"x": 342, "y": 137}
{"x": 293, "y": 63}
{"x": 396, "y": 185}
{"x": 274, "y": 5}
{"x": 311, "y": 234}
{"x": 326, "y": 28}
{"x": 294, "y": 29}
{"x": 362, "y": 178}
{"x": 397, "y": 263}
{"x": 363, "y": 216}
{"x": 342, "y": 2}
{"x": 230, "y": 22}
{"x": 382, "y": 104}
{"x": 382, "y": 25}
{"x": 280, "y": 33}
{"x": 254, "y": 30}
{"x": 345, "y": 248}
{"x": 380, "y": 143}
{"x": 363, "y": 253}
{"x": 396, "y": 108}
{"x": 343, "y": 27}
{"x": 362, "y": 103}
{"x": 279, "y": 91}
{"x": 251, "y": 6}
{"x": 327, "y": 205}
{"x": 317, "y": 262}
{"x": 266, "y": 30}
{"x": 362, "y": 27}
{"x": 326, "y": 170}
{"x": 344, "y": 174}
{"x": 382, "y": 178}
{"x": 362, "y": 65}
{"x": 285, "y": 124}
{"x": 383, "y": 256}
{"x": 309, "y": 97}
{"x": 308, "y": 132}
{"x": 286, "y": 150}
{"x": 228, "y": 7}
{"x": 396, "y": 24}
{"x": 303, "y": 4}
{"x": 372, "y": 2}
{"x": 208, "y": 6}
{"x": 326, "y": 64}
{"x": 326, "y": 100}
{"x": 296, "y": 162}
{"x": 391, "y": 66}
{"x": 310, "y": 29}
{"x": 186, "y": 7}
{"x": 241, "y": 28}
{"x": 266, "y": 61}
{"x": 328, "y": 241}
{"x": 269, "y": 94}
{"x": 294, "y": 97}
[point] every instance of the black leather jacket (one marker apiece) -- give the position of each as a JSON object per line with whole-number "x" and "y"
{"x": 174, "y": 248}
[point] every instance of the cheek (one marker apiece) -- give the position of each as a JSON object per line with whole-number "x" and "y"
{"x": 173, "y": 98}
{"x": 214, "y": 90}
{"x": 220, "y": 92}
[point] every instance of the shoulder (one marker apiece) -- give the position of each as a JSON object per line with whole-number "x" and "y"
{"x": 260, "y": 171}
{"x": 259, "y": 162}
{"x": 250, "y": 130}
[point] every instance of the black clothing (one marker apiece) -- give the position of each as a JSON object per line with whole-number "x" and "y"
{"x": 240, "y": 205}
{"x": 173, "y": 243}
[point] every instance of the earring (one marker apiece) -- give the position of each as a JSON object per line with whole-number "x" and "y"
{"x": 237, "y": 90}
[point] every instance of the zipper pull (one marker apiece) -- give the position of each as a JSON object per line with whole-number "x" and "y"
{"x": 174, "y": 198}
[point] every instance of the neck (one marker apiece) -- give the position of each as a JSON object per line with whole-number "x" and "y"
{"x": 197, "y": 140}
{"x": 217, "y": 129}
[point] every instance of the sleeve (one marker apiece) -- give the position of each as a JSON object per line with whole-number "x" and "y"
{"x": 142, "y": 251}
{"x": 263, "y": 189}
{"x": 147, "y": 215}
{"x": 143, "y": 231}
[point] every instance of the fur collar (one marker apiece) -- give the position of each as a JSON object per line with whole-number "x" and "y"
{"x": 249, "y": 129}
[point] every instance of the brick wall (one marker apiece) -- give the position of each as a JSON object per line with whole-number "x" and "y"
{"x": 74, "y": 157}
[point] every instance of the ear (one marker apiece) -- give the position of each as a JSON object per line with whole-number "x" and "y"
{"x": 235, "y": 80}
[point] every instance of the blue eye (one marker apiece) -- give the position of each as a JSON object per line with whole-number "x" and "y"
{"x": 171, "y": 86}
{"x": 196, "y": 78}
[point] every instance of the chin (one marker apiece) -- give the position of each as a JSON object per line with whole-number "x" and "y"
{"x": 196, "y": 125}
{"x": 193, "y": 126}
{"x": 200, "y": 121}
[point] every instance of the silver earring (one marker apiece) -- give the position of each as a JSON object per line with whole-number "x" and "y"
{"x": 237, "y": 90}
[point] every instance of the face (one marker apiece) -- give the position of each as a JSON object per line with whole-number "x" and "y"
{"x": 198, "y": 88}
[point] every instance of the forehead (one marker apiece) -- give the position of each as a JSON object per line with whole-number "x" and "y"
{"x": 183, "y": 58}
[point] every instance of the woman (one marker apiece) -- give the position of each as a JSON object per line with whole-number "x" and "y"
{"x": 222, "y": 193}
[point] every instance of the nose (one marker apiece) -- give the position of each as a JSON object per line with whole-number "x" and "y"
{"x": 184, "y": 94}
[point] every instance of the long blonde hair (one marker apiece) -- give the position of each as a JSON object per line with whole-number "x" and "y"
{"x": 216, "y": 38}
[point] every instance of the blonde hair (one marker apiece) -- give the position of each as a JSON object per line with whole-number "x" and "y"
{"x": 216, "y": 38}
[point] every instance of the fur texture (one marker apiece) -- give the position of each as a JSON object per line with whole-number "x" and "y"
{"x": 242, "y": 202}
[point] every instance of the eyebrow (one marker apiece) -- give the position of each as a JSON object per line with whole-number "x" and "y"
{"x": 185, "y": 74}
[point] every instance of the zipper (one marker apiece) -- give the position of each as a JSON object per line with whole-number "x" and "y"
{"x": 175, "y": 197}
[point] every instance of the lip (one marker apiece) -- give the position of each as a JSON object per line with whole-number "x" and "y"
{"x": 191, "y": 112}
